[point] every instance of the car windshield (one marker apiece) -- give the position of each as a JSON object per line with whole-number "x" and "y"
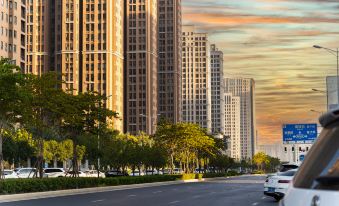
{"x": 285, "y": 168}
{"x": 288, "y": 173}
{"x": 322, "y": 169}
{"x": 7, "y": 172}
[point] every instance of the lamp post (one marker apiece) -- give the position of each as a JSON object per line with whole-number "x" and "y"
{"x": 336, "y": 54}
{"x": 109, "y": 96}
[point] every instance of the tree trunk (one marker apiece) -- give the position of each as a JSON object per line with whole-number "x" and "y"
{"x": 55, "y": 163}
{"x": 1, "y": 156}
{"x": 75, "y": 161}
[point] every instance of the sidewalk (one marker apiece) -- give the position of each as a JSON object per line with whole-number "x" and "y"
{"x": 59, "y": 193}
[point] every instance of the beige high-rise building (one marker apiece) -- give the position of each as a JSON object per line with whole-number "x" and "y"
{"x": 83, "y": 40}
{"x": 244, "y": 89}
{"x": 170, "y": 54}
{"x": 232, "y": 125}
{"x": 37, "y": 37}
{"x": 12, "y": 31}
{"x": 196, "y": 78}
{"x": 141, "y": 61}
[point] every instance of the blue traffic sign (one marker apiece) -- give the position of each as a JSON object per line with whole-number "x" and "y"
{"x": 299, "y": 133}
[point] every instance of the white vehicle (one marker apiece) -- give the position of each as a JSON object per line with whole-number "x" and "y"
{"x": 317, "y": 180}
{"x": 137, "y": 173}
{"x": 79, "y": 174}
{"x": 94, "y": 173}
{"x": 10, "y": 174}
{"x": 54, "y": 172}
{"x": 26, "y": 172}
{"x": 276, "y": 185}
{"x": 153, "y": 172}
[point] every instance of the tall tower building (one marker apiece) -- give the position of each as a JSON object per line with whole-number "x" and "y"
{"x": 217, "y": 91}
{"x": 141, "y": 66}
{"x": 169, "y": 72}
{"x": 244, "y": 88}
{"x": 83, "y": 41}
{"x": 38, "y": 56}
{"x": 196, "y": 78}
{"x": 12, "y": 31}
{"x": 232, "y": 125}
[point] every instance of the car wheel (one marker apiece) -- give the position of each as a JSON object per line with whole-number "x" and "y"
{"x": 277, "y": 198}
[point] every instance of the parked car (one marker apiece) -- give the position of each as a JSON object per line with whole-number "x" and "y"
{"x": 9, "y": 174}
{"x": 79, "y": 174}
{"x": 317, "y": 181}
{"x": 178, "y": 171}
{"x": 94, "y": 173}
{"x": 137, "y": 173}
{"x": 54, "y": 172}
{"x": 153, "y": 172}
{"x": 26, "y": 172}
{"x": 276, "y": 186}
{"x": 116, "y": 173}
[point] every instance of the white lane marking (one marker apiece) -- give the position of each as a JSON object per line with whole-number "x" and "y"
{"x": 196, "y": 196}
{"x": 156, "y": 192}
{"x": 174, "y": 202}
{"x": 263, "y": 198}
{"x": 255, "y": 203}
{"x": 131, "y": 195}
{"x": 97, "y": 201}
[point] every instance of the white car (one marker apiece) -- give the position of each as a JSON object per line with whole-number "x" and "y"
{"x": 54, "y": 172}
{"x": 276, "y": 185}
{"x": 94, "y": 173}
{"x": 137, "y": 173}
{"x": 26, "y": 172}
{"x": 10, "y": 174}
{"x": 153, "y": 172}
{"x": 317, "y": 180}
{"x": 79, "y": 174}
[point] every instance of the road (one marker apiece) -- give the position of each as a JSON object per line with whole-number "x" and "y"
{"x": 239, "y": 191}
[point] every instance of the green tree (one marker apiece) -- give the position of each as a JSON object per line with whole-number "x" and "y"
{"x": 261, "y": 160}
{"x": 11, "y": 99}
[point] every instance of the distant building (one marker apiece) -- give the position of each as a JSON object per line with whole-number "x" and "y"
{"x": 244, "y": 89}
{"x": 196, "y": 78}
{"x": 12, "y": 31}
{"x": 332, "y": 92}
{"x": 217, "y": 91}
{"x": 286, "y": 153}
{"x": 169, "y": 72}
{"x": 232, "y": 125}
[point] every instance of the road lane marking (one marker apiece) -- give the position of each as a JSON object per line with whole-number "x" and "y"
{"x": 174, "y": 202}
{"x": 156, "y": 192}
{"x": 97, "y": 201}
{"x": 263, "y": 198}
{"x": 256, "y": 203}
{"x": 131, "y": 195}
{"x": 196, "y": 196}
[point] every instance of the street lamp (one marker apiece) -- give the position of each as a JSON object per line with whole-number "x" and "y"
{"x": 317, "y": 90}
{"x": 336, "y": 54}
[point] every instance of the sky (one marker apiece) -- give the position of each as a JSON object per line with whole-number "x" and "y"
{"x": 272, "y": 42}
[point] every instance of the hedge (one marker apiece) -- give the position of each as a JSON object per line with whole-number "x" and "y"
{"x": 15, "y": 186}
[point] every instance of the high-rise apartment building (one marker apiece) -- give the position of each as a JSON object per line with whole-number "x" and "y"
{"x": 141, "y": 66}
{"x": 12, "y": 31}
{"x": 232, "y": 125}
{"x": 217, "y": 91}
{"x": 83, "y": 40}
{"x": 196, "y": 78}
{"x": 169, "y": 72}
{"x": 244, "y": 88}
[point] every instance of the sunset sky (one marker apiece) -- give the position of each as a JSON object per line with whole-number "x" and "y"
{"x": 271, "y": 41}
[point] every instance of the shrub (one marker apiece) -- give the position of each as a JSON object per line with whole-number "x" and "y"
{"x": 14, "y": 186}
{"x": 233, "y": 173}
{"x": 188, "y": 176}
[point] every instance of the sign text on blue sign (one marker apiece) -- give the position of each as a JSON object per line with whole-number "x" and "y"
{"x": 299, "y": 133}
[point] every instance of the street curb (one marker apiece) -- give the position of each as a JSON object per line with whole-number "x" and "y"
{"x": 62, "y": 193}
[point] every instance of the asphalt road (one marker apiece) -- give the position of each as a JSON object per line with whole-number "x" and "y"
{"x": 239, "y": 191}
